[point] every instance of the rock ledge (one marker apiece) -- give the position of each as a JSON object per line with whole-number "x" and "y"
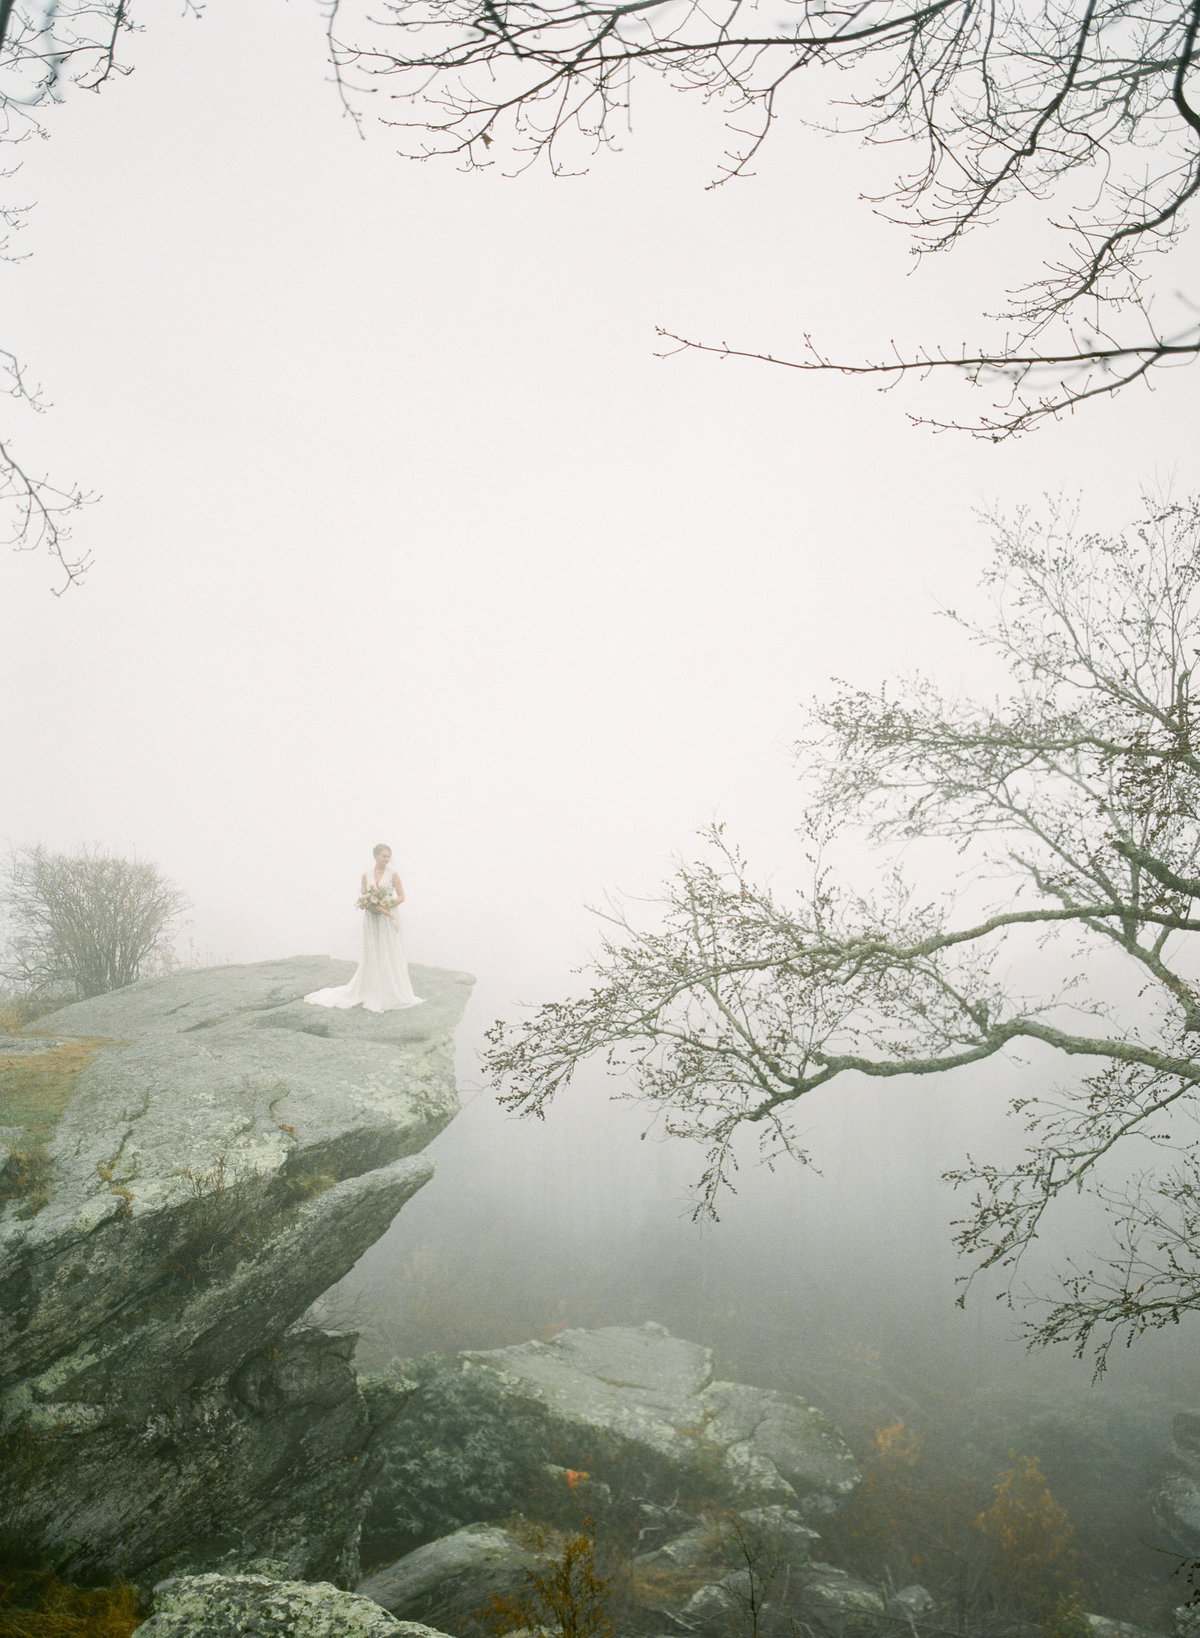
{"x": 224, "y": 1159}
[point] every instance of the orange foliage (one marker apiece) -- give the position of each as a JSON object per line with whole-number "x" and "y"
{"x": 897, "y": 1443}
{"x": 1030, "y": 1533}
{"x": 568, "y": 1597}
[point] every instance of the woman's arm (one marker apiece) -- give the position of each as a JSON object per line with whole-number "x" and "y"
{"x": 397, "y": 887}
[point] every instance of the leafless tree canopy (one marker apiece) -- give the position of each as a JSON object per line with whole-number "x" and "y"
{"x": 83, "y": 924}
{"x": 45, "y": 47}
{"x": 1074, "y": 801}
{"x": 1092, "y": 104}
{"x": 1089, "y": 105}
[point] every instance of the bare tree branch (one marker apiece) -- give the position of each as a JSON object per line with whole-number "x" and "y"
{"x": 46, "y": 45}
{"x": 989, "y": 100}
{"x": 1071, "y": 378}
{"x": 1080, "y": 792}
{"x": 995, "y": 101}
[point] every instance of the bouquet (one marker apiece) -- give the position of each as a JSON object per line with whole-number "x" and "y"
{"x": 381, "y": 900}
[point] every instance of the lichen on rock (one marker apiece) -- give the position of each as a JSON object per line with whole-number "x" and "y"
{"x": 453, "y": 1575}
{"x": 639, "y": 1395}
{"x": 222, "y": 1161}
{"x": 234, "y": 1606}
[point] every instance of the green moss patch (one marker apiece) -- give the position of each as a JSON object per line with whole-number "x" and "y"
{"x": 35, "y": 1088}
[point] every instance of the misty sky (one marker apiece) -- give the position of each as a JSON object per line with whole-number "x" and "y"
{"x": 407, "y": 534}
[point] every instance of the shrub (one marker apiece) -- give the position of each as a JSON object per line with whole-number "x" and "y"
{"x": 25, "y": 1176}
{"x": 1031, "y": 1537}
{"x": 17, "y": 1009}
{"x": 567, "y": 1598}
{"x": 226, "y": 1209}
{"x": 912, "y": 1516}
{"x": 1067, "y": 1618}
{"x": 222, "y": 1209}
{"x": 85, "y": 923}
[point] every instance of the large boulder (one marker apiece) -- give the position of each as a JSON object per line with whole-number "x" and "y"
{"x": 639, "y": 1398}
{"x": 250, "y": 1606}
{"x": 703, "y": 1570}
{"x": 720, "y": 1603}
{"x": 837, "y": 1602}
{"x": 1176, "y": 1499}
{"x": 226, "y": 1156}
{"x": 453, "y": 1576}
{"x": 780, "y": 1534}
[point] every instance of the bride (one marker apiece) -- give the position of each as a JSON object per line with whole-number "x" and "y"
{"x": 381, "y": 983}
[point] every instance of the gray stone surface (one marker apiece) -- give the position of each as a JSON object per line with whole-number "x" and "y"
{"x": 709, "y": 1552}
{"x": 783, "y": 1533}
{"x": 691, "y": 1548}
{"x": 719, "y": 1603}
{"x": 223, "y": 1161}
{"x": 915, "y": 1600}
{"x": 454, "y": 1575}
{"x": 658, "y": 1525}
{"x": 1177, "y": 1511}
{"x": 839, "y": 1601}
{"x": 253, "y": 1606}
{"x": 640, "y": 1394}
{"x": 1176, "y": 1499}
{"x": 670, "y": 1576}
{"x": 704, "y": 1573}
{"x": 1102, "y": 1626}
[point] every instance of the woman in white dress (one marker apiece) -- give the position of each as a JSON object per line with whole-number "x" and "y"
{"x": 381, "y": 983}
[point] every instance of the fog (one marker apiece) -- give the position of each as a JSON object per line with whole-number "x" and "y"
{"x": 407, "y": 534}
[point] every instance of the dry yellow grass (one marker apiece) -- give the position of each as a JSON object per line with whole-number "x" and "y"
{"x": 35, "y": 1088}
{"x": 43, "y": 1607}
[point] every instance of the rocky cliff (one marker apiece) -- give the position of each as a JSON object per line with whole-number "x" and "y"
{"x": 636, "y": 1395}
{"x": 224, "y": 1157}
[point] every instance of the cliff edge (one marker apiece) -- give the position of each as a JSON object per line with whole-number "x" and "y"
{"x": 224, "y": 1155}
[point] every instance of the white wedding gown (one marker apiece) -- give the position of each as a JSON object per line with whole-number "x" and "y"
{"x": 381, "y": 983}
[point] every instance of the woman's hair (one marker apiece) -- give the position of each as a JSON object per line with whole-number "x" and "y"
{"x": 380, "y": 847}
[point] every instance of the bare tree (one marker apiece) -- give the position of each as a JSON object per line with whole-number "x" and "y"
{"x": 1078, "y": 795}
{"x": 85, "y": 923}
{"x": 989, "y": 101}
{"x": 45, "y": 47}
{"x": 1088, "y": 105}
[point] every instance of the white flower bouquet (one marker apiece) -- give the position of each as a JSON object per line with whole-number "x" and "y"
{"x": 381, "y": 900}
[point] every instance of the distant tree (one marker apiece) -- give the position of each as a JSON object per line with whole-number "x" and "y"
{"x": 1076, "y": 802}
{"x": 84, "y": 923}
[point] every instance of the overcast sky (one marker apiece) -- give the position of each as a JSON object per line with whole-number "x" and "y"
{"x": 407, "y": 534}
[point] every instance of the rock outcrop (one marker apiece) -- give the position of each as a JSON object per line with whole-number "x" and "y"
{"x": 226, "y": 1156}
{"x": 448, "y": 1578}
{"x": 635, "y": 1395}
{"x": 720, "y": 1476}
{"x": 837, "y": 1602}
{"x": 1176, "y": 1501}
{"x": 228, "y": 1606}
